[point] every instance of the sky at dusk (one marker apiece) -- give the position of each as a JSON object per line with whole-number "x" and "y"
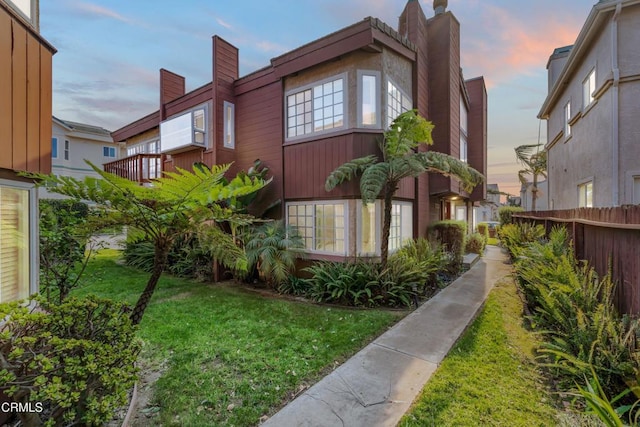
{"x": 106, "y": 71}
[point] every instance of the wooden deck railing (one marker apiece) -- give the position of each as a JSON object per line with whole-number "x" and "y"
{"x": 608, "y": 238}
{"x": 141, "y": 168}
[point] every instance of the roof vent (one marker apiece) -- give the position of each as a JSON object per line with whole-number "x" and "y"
{"x": 440, "y": 6}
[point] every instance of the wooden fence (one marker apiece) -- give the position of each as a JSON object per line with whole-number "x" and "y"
{"x": 606, "y": 238}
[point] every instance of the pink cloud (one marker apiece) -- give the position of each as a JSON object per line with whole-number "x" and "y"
{"x": 510, "y": 45}
{"x": 100, "y": 11}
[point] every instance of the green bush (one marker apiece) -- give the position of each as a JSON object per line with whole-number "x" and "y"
{"x": 451, "y": 235}
{"x": 574, "y": 309}
{"x": 430, "y": 258}
{"x": 77, "y": 358}
{"x": 64, "y": 234}
{"x": 475, "y": 243}
{"x": 483, "y": 229}
{"x": 505, "y": 213}
{"x": 516, "y": 237}
{"x": 348, "y": 283}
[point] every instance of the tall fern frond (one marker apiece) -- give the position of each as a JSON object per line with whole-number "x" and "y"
{"x": 373, "y": 180}
{"x": 348, "y": 171}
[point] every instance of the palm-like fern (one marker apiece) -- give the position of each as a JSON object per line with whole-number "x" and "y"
{"x": 535, "y": 164}
{"x": 178, "y": 202}
{"x": 400, "y": 160}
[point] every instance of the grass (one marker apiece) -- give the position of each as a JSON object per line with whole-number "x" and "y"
{"x": 231, "y": 356}
{"x": 489, "y": 378}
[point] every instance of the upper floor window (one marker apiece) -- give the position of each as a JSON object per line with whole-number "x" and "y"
{"x": 585, "y": 195}
{"x": 186, "y": 130}
{"x": 54, "y": 148}
{"x": 67, "y": 147}
{"x": 463, "y": 129}
{"x": 229, "y": 125}
{"x": 397, "y": 102}
{"x": 588, "y": 89}
{"x": 149, "y": 147}
{"x": 28, "y": 9}
{"x": 109, "y": 152}
{"x": 567, "y": 119}
{"x": 636, "y": 190}
{"x": 318, "y": 108}
{"x": 369, "y": 99}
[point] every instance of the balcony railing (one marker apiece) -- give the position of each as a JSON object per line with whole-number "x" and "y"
{"x": 141, "y": 168}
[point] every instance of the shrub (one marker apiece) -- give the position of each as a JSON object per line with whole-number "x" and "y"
{"x": 451, "y": 235}
{"x": 505, "y": 213}
{"x": 429, "y": 257}
{"x": 64, "y": 234}
{"x": 483, "y": 229}
{"x": 349, "y": 283}
{"x": 77, "y": 358}
{"x": 294, "y": 285}
{"x": 515, "y": 237}
{"x": 272, "y": 249}
{"x": 475, "y": 243}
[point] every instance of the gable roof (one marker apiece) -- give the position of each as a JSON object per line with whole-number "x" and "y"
{"x": 84, "y": 130}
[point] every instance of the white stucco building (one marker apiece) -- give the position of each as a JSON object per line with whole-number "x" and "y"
{"x": 593, "y": 112}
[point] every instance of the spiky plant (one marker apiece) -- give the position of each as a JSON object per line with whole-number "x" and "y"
{"x": 176, "y": 203}
{"x": 400, "y": 159}
{"x": 273, "y": 249}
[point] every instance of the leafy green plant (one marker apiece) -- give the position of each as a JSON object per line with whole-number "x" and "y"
{"x": 475, "y": 243}
{"x": 505, "y": 213}
{"x": 483, "y": 229}
{"x": 64, "y": 234}
{"x": 294, "y": 286}
{"x": 450, "y": 234}
{"x": 429, "y": 257}
{"x": 515, "y": 237}
{"x": 77, "y": 358}
{"x": 349, "y": 283}
{"x": 273, "y": 249}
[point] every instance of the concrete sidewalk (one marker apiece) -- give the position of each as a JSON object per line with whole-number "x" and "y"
{"x": 377, "y": 385}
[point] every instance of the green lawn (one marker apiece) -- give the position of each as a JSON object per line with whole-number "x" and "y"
{"x": 231, "y": 356}
{"x": 489, "y": 378}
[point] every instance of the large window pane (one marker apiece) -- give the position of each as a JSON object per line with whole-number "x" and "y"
{"x": 322, "y": 225}
{"x": 14, "y": 243}
{"x": 325, "y": 112}
{"x": 369, "y": 101}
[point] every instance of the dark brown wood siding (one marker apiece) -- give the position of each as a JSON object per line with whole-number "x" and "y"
{"x": 225, "y": 73}
{"x": 477, "y": 133}
{"x": 172, "y": 86}
{"x": 136, "y": 128}
{"x": 259, "y": 135}
{"x": 25, "y": 97}
{"x": 444, "y": 93}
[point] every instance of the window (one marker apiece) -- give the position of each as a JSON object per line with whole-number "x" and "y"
{"x": 184, "y": 131}
{"x": 588, "y": 89}
{"x": 401, "y": 224}
{"x": 322, "y": 225}
{"x": 463, "y": 130}
{"x": 316, "y": 109}
{"x": 66, "y": 149}
{"x": 28, "y": 9}
{"x": 368, "y": 99}
{"x": 109, "y": 152}
{"x": 567, "y": 120}
{"x": 636, "y": 190}
{"x": 585, "y": 195}
{"x": 369, "y": 228}
{"x": 54, "y": 148}
{"x": 397, "y": 102}
{"x": 17, "y": 241}
{"x": 229, "y": 125}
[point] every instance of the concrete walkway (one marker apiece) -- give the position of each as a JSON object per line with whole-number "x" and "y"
{"x": 377, "y": 385}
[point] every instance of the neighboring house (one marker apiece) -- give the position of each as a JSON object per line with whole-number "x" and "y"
{"x": 25, "y": 142}
{"x": 592, "y": 112}
{"x": 488, "y": 209}
{"x": 72, "y": 143}
{"x": 526, "y": 196}
{"x": 316, "y": 107}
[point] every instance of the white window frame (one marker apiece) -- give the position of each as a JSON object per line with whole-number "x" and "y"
{"x": 464, "y": 125}
{"x": 109, "y": 150}
{"x": 67, "y": 149}
{"x": 54, "y": 147}
{"x": 377, "y": 76}
{"x": 194, "y": 130}
{"x": 312, "y": 119}
{"x": 28, "y": 9}
{"x": 377, "y": 206}
{"x": 567, "y": 119}
{"x": 401, "y": 226}
{"x": 589, "y": 88}
{"x": 229, "y": 131}
{"x": 582, "y": 194}
{"x": 34, "y": 236}
{"x": 406, "y": 102}
{"x": 315, "y": 203}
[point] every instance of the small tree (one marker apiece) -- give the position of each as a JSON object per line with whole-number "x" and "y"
{"x": 176, "y": 203}
{"x": 535, "y": 164}
{"x": 400, "y": 160}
